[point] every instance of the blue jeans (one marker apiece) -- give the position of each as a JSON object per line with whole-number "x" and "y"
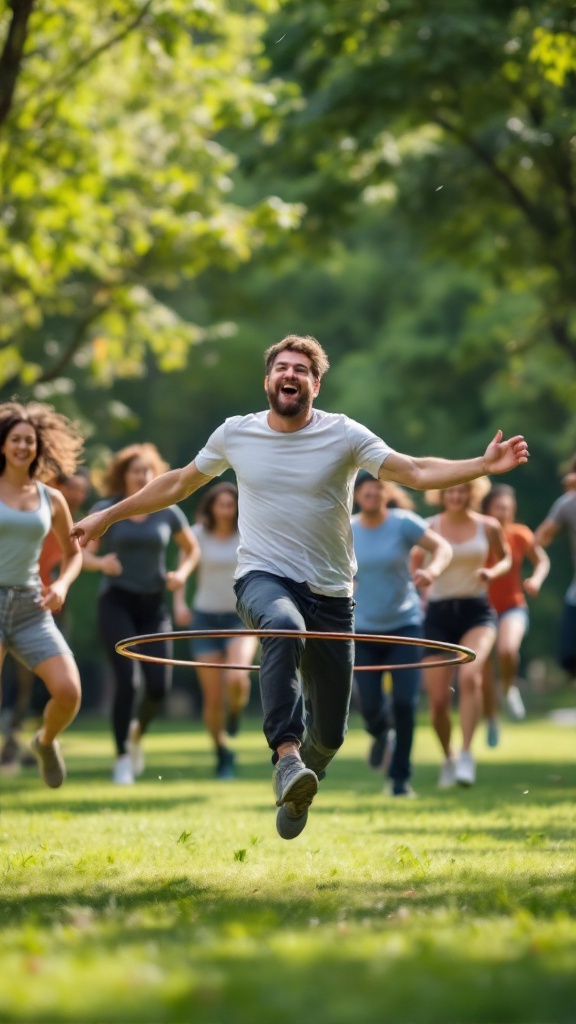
{"x": 405, "y": 691}
{"x": 320, "y": 671}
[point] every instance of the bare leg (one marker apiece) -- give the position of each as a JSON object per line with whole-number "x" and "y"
{"x": 490, "y": 703}
{"x": 239, "y": 652}
{"x": 437, "y": 683}
{"x": 481, "y": 640}
{"x": 62, "y": 680}
{"x": 510, "y": 635}
{"x": 212, "y": 685}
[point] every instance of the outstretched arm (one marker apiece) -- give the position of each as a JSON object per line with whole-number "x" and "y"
{"x": 166, "y": 489}
{"x": 430, "y": 473}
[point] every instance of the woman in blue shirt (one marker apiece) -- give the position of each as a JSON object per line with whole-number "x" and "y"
{"x": 387, "y": 602}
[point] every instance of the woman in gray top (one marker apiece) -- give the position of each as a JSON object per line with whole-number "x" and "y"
{"x": 132, "y": 559}
{"x": 36, "y": 443}
{"x": 225, "y": 691}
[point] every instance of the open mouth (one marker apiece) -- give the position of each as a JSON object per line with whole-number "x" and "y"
{"x": 289, "y": 389}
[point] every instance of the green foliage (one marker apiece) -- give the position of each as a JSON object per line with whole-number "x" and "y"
{"x": 114, "y": 184}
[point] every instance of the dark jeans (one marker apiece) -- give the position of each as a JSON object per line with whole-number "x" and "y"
{"x": 121, "y": 614}
{"x": 405, "y": 691}
{"x": 567, "y": 654}
{"x": 319, "y": 670}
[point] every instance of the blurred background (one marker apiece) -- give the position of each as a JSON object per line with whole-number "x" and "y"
{"x": 182, "y": 182}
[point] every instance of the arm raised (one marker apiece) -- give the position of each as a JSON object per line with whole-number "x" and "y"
{"x": 430, "y": 473}
{"x": 166, "y": 489}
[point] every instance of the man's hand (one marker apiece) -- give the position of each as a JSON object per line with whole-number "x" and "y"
{"x": 90, "y": 528}
{"x": 502, "y": 456}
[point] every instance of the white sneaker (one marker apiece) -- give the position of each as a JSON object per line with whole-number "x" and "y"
{"x": 465, "y": 769}
{"x": 515, "y": 704}
{"x": 123, "y": 774}
{"x": 135, "y": 749}
{"x": 447, "y": 777}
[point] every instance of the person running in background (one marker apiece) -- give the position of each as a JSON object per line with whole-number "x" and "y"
{"x": 13, "y": 754}
{"x": 562, "y": 517}
{"x": 387, "y": 601}
{"x": 132, "y": 560}
{"x": 507, "y": 596}
{"x": 225, "y": 691}
{"x": 459, "y": 612}
{"x": 35, "y": 444}
{"x": 295, "y": 466}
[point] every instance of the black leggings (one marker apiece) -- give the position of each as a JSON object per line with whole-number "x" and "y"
{"x": 121, "y": 614}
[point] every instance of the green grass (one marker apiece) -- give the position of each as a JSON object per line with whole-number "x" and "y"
{"x": 175, "y": 901}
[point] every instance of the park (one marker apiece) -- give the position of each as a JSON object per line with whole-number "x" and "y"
{"x": 182, "y": 184}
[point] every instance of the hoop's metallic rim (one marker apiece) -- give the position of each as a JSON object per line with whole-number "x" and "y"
{"x": 462, "y": 654}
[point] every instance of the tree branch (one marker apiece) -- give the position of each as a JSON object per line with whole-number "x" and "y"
{"x": 11, "y": 57}
{"x": 76, "y": 342}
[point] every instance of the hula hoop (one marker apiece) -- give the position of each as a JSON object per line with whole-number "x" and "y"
{"x": 462, "y": 654}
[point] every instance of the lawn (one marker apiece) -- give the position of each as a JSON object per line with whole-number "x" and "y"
{"x": 175, "y": 901}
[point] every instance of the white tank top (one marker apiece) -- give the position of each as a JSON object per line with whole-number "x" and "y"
{"x": 459, "y": 579}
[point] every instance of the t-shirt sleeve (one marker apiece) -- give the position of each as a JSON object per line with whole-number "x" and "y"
{"x": 369, "y": 451}
{"x": 413, "y": 526}
{"x": 211, "y": 459}
{"x": 178, "y": 520}
{"x": 558, "y": 511}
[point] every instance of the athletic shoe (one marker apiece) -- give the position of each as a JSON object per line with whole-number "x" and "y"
{"x": 52, "y": 767}
{"x": 515, "y": 704}
{"x": 123, "y": 774}
{"x": 135, "y": 749}
{"x": 10, "y": 756}
{"x": 401, "y": 789}
{"x": 295, "y": 786}
{"x": 465, "y": 770}
{"x": 377, "y": 751}
{"x": 447, "y": 777}
{"x": 225, "y": 764}
{"x": 492, "y": 732}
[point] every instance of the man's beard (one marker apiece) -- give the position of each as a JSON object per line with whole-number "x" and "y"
{"x": 289, "y": 407}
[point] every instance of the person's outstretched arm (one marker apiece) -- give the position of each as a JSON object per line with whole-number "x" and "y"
{"x": 430, "y": 473}
{"x": 166, "y": 489}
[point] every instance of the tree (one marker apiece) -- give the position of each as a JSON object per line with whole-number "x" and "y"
{"x": 461, "y": 116}
{"x": 114, "y": 184}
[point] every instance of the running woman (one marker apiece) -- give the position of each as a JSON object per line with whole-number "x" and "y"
{"x": 225, "y": 691}
{"x": 507, "y": 596}
{"x": 459, "y": 612}
{"x": 35, "y": 444}
{"x": 132, "y": 560}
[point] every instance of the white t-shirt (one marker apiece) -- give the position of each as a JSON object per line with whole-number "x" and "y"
{"x": 295, "y": 494}
{"x": 216, "y": 569}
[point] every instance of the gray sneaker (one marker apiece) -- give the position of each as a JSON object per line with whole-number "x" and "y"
{"x": 52, "y": 767}
{"x": 295, "y": 786}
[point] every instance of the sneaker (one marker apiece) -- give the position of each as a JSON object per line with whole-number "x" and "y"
{"x": 447, "y": 777}
{"x": 377, "y": 752}
{"x": 515, "y": 704}
{"x": 225, "y": 764}
{"x": 10, "y": 756}
{"x": 465, "y": 770}
{"x": 123, "y": 774}
{"x": 402, "y": 789}
{"x": 295, "y": 786}
{"x": 135, "y": 749}
{"x": 52, "y": 767}
{"x": 492, "y": 732}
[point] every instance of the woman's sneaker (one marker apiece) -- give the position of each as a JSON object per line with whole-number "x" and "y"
{"x": 515, "y": 704}
{"x": 447, "y": 777}
{"x": 123, "y": 774}
{"x": 465, "y": 770}
{"x": 52, "y": 767}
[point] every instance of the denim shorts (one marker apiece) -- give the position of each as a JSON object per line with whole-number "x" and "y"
{"x": 217, "y": 621}
{"x": 27, "y": 630}
{"x": 450, "y": 619}
{"x": 520, "y": 610}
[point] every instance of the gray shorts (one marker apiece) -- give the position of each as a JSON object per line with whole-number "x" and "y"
{"x": 27, "y": 631}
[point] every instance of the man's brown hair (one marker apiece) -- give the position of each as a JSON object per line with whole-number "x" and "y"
{"x": 306, "y": 345}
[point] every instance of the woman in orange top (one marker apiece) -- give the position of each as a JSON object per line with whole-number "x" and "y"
{"x": 507, "y": 597}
